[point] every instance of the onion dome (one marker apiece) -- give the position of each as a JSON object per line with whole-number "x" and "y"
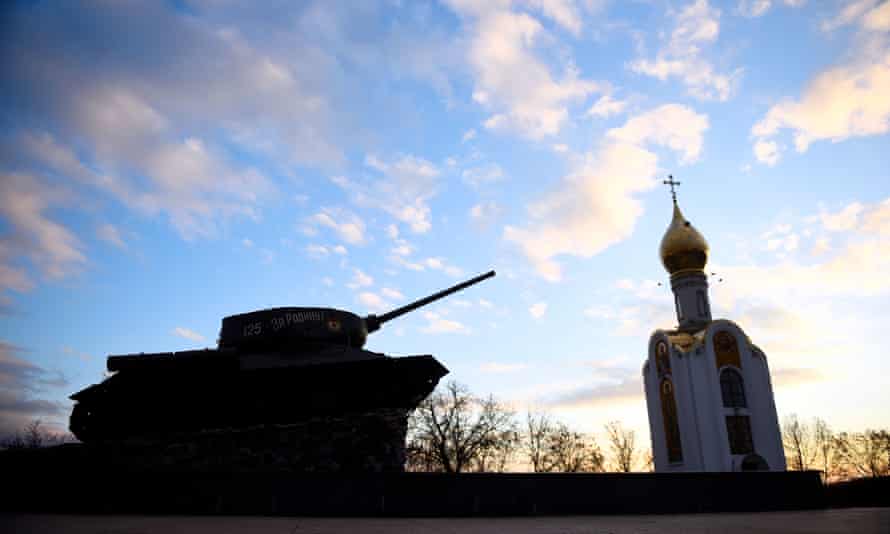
{"x": 683, "y": 248}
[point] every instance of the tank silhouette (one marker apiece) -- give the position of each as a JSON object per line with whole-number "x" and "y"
{"x": 271, "y": 366}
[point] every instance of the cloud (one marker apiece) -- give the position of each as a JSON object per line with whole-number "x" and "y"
{"x": 360, "y": 279}
{"x": 766, "y": 152}
{"x": 110, "y": 234}
{"x": 753, "y": 8}
{"x": 469, "y": 135}
{"x": 347, "y": 225}
{"x": 844, "y": 220}
{"x": 486, "y": 174}
{"x": 848, "y": 100}
{"x": 861, "y": 11}
{"x": 787, "y": 377}
{"x": 436, "y": 324}
{"x": 594, "y": 206}
{"x": 502, "y": 368}
{"x": 672, "y": 125}
{"x": 606, "y": 106}
{"x": 392, "y": 294}
{"x": 486, "y": 213}
{"x": 188, "y": 334}
{"x": 510, "y": 79}
{"x": 696, "y": 25}
{"x": 372, "y": 301}
{"x": 33, "y": 238}
{"x": 316, "y": 251}
{"x": 22, "y": 383}
{"x": 404, "y": 191}
{"x": 538, "y": 309}
{"x": 629, "y": 389}
{"x": 440, "y": 264}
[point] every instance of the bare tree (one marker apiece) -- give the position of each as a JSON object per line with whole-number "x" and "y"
{"x": 864, "y": 453}
{"x": 572, "y": 452}
{"x": 536, "y": 439}
{"x": 497, "y": 454}
{"x": 826, "y": 450}
{"x": 34, "y": 436}
{"x": 452, "y": 429}
{"x": 797, "y": 437}
{"x": 621, "y": 441}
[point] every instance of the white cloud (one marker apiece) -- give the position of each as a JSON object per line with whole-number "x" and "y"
{"x": 563, "y": 12}
{"x": 246, "y": 243}
{"x": 109, "y": 233}
{"x": 347, "y": 225}
{"x": 408, "y": 183}
{"x": 436, "y": 324}
{"x": 486, "y": 174}
{"x": 46, "y": 245}
{"x": 766, "y": 152}
{"x": 439, "y": 264}
{"x": 469, "y": 135}
{"x": 538, "y": 309}
{"x": 694, "y": 26}
{"x": 486, "y": 213}
{"x": 594, "y": 206}
{"x": 372, "y": 301}
{"x": 753, "y": 8}
{"x": 844, "y": 220}
{"x": 560, "y": 148}
{"x": 402, "y": 248}
{"x": 317, "y": 251}
{"x": 392, "y": 294}
{"x": 844, "y": 101}
{"x": 328, "y": 281}
{"x": 606, "y": 106}
{"x": 485, "y": 304}
{"x": 861, "y": 11}
{"x": 392, "y": 231}
{"x": 190, "y": 335}
{"x": 502, "y": 368}
{"x": 510, "y": 79}
{"x": 360, "y": 279}
{"x": 672, "y": 125}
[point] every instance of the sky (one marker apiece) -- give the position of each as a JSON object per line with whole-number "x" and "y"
{"x": 165, "y": 164}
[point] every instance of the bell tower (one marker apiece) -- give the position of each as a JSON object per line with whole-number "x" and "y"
{"x": 708, "y": 389}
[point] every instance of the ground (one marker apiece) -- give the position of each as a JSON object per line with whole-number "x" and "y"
{"x": 859, "y": 520}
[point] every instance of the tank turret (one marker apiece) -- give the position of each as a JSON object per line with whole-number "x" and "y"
{"x": 308, "y": 328}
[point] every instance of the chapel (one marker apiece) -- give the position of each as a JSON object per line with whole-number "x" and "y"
{"x": 708, "y": 390}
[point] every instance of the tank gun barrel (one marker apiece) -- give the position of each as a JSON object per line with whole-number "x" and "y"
{"x": 373, "y": 322}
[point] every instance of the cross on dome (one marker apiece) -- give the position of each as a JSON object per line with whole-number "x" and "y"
{"x": 670, "y": 182}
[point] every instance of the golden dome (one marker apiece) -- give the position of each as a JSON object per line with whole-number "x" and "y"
{"x": 683, "y": 248}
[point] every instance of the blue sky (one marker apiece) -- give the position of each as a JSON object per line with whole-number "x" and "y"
{"x": 167, "y": 164}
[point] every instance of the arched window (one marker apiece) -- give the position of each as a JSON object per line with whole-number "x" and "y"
{"x": 671, "y": 424}
{"x": 733, "y": 389}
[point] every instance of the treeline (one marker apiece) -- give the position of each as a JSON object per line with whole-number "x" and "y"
{"x": 839, "y": 455}
{"x": 455, "y": 431}
{"x": 34, "y": 436}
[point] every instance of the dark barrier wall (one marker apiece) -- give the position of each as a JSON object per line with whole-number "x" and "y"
{"x": 874, "y": 491}
{"x": 50, "y": 485}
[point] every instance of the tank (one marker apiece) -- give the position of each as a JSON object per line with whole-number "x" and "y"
{"x": 271, "y": 366}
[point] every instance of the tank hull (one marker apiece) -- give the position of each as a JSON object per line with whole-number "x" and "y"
{"x": 161, "y": 395}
